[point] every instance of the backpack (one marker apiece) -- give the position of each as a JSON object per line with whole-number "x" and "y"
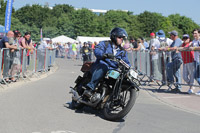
{"x": 163, "y": 43}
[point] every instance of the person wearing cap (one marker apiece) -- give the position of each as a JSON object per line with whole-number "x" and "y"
{"x": 153, "y": 42}
{"x": 153, "y": 47}
{"x": 164, "y": 42}
{"x": 173, "y": 67}
{"x": 195, "y": 47}
{"x": 162, "y": 39}
{"x": 188, "y": 62}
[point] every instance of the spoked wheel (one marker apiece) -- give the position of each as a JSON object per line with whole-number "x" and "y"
{"x": 120, "y": 107}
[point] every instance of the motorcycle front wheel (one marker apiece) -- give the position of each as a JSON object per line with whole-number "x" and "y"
{"x": 116, "y": 109}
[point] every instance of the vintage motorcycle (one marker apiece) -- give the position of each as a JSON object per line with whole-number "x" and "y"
{"x": 115, "y": 94}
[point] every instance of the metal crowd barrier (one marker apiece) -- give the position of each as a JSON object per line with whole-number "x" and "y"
{"x": 158, "y": 66}
{"x": 24, "y": 63}
{"x": 66, "y": 53}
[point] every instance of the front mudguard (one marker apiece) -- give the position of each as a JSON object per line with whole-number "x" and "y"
{"x": 132, "y": 85}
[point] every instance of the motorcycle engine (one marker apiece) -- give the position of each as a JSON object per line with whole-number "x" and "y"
{"x": 95, "y": 97}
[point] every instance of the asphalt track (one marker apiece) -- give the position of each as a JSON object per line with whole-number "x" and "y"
{"x": 37, "y": 107}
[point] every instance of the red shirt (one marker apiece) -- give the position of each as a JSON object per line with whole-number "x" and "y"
{"x": 188, "y": 56}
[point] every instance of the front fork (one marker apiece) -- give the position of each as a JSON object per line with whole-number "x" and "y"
{"x": 118, "y": 87}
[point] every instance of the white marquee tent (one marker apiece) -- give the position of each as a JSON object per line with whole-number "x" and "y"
{"x": 62, "y": 39}
{"x": 83, "y": 39}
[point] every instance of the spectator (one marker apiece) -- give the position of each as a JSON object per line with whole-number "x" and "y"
{"x": 93, "y": 45}
{"x": 153, "y": 47}
{"x": 26, "y": 42}
{"x": 57, "y": 50}
{"x": 15, "y": 68}
{"x": 127, "y": 46}
{"x": 41, "y": 55}
{"x": 78, "y": 45}
{"x": 195, "y": 46}
{"x": 85, "y": 51}
{"x": 146, "y": 45}
{"x": 133, "y": 42}
{"x": 188, "y": 62}
{"x": 66, "y": 47}
{"x": 7, "y": 42}
{"x": 74, "y": 50}
{"x": 70, "y": 53}
{"x": 62, "y": 50}
{"x": 173, "y": 68}
{"x": 4, "y": 43}
{"x": 140, "y": 45}
{"x": 164, "y": 42}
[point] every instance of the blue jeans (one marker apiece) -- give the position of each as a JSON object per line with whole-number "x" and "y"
{"x": 173, "y": 70}
{"x": 197, "y": 72}
{"x": 98, "y": 73}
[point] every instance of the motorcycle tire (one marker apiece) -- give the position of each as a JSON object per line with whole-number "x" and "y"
{"x": 117, "y": 116}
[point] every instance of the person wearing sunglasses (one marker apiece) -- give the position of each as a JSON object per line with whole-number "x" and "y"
{"x": 173, "y": 67}
{"x": 188, "y": 62}
{"x": 104, "y": 52}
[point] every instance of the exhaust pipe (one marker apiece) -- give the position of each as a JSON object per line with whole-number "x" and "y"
{"x": 75, "y": 95}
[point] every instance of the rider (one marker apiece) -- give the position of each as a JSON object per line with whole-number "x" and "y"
{"x": 105, "y": 51}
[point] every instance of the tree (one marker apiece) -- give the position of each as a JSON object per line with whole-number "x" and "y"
{"x": 2, "y": 8}
{"x": 65, "y": 26}
{"x": 116, "y": 19}
{"x": 84, "y": 22}
{"x": 64, "y": 20}
{"x": 149, "y": 22}
{"x": 183, "y": 24}
{"x": 33, "y": 15}
{"x": 58, "y": 10}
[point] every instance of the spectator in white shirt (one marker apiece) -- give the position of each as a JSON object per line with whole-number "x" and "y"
{"x": 153, "y": 46}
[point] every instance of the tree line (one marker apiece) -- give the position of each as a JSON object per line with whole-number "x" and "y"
{"x": 65, "y": 20}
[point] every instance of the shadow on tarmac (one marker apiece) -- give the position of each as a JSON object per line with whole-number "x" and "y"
{"x": 165, "y": 91}
{"x": 89, "y": 111}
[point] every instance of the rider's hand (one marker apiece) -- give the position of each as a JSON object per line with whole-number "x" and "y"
{"x": 110, "y": 56}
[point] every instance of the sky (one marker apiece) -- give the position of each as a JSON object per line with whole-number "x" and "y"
{"x": 188, "y": 8}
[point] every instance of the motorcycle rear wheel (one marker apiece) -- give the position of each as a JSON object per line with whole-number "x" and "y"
{"x": 110, "y": 110}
